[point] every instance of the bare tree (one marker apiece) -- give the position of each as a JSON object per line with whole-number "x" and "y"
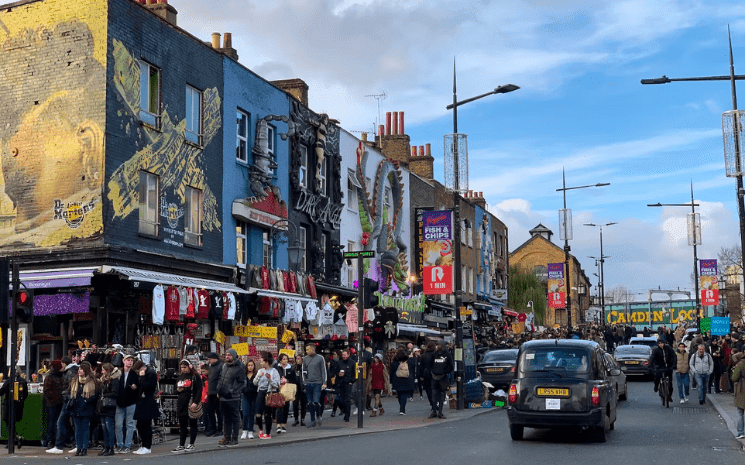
{"x": 619, "y": 293}
{"x": 730, "y": 271}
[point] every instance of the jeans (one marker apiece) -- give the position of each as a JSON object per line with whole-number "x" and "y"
{"x": 740, "y": 422}
{"x": 231, "y": 415}
{"x": 213, "y": 415}
{"x": 63, "y": 428}
{"x": 300, "y": 405}
{"x": 53, "y": 413}
{"x": 125, "y": 419}
{"x": 702, "y": 380}
{"x": 249, "y": 411}
{"x": 682, "y": 380}
{"x": 82, "y": 435}
{"x": 187, "y": 425}
{"x": 109, "y": 432}
{"x": 313, "y": 392}
{"x": 403, "y": 396}
{"x": 264, "y": 413}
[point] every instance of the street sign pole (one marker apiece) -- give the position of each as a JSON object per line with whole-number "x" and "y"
{"x": 13, "y": 392}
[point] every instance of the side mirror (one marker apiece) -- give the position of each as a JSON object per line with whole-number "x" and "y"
{"x": 614, "y": 372}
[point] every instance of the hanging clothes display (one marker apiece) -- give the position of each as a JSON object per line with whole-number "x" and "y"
{"x": 159, "y": 305}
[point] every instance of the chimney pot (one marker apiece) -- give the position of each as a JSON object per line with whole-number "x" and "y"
{"x": 381, "y": 130}
{"x": 227, "y": 39}
{"x": 388, "y": 123}
{"x": 394, "y": 123}
{"x": 215, "y": 40}
{"x": 364, "y": 137}
{"x": 421, "y": 150}
{"x": 413, "y": 151}
{"x": 401, "y": 123}
{"x": 429, "y": 150}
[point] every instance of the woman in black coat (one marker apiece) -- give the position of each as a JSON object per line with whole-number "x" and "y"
{"x": 189, "y": 388}
{"x": 109, "y": 385}
{"x": 147, "y": 408}
{"x": 404, "y": 386}
{"x": 84, "y": 396}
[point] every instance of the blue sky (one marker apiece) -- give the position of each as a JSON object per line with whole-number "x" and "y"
{"x": 581, "y": 106}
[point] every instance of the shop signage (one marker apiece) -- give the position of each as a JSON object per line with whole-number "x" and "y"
{"x": 499, "y": 294}
{"x": 240, "y": 349}
{"x": 665, "y": 313}
{"x": 708, "y": 282}
{"x": 264, "y": 332}
{"x": 319, "y": 209}
{"x": 437, "y": 252}
{"x": 719, "y": 325}
{"x": 556, "y": 286}
{"x": 436, "y": 319}
{"x": 172, "y": 213}
{"x": 360, "y": 254}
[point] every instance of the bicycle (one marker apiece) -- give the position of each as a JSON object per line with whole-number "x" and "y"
{"x": 665, "y": 390}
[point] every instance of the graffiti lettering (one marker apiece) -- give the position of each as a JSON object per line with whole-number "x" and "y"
{"x": 73, "y": 213}
{"x": 309, "y": 204}
{"x": 658, "y": 316}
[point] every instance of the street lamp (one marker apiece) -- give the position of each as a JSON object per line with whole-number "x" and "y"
{"x": 457, "y": 287}
{"x": 565, "y": 232}
{"x": 601, "y": 284}
{"x": 294, "y": 251}
{"x": 734, "y": 129}
{"x": 694, "y": 239}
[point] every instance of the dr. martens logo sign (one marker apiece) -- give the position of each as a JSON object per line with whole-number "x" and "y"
{"x": 73, "y": 212}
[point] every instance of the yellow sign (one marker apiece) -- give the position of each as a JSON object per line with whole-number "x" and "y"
{"x": 219, "y": 337}
{"x": 240, "y": 349}
{"x": 289, "y": 352}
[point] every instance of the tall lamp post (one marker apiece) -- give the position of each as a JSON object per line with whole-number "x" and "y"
{"x": 694, "y": 239}
{"x": 565, "y": 232}
{"x": 732, "y": 126}
{"x": 602, "y": 260}
{"x": 457, "y": 285}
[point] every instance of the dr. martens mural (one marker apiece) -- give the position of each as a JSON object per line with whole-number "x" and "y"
{"x": 166, "y": 153}
{"x": 381, "y": 229}
{"x": 52, "y": 93}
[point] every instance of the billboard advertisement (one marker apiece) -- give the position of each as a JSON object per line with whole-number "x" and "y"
{"x": 708, "y": 282}
{"x": 556, "y": 286}
{"x": 437, "y": 252}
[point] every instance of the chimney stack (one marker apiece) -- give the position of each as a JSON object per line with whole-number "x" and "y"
{"x": 388, "y": 123}
{"x": 227, "y": 47}
{"x": 394, "y": 123}
{"x": 295, "y": 87}
{"x": 162, "y": 9}
{"x": 423, "y": 164}
{"x": 216, "y": 40}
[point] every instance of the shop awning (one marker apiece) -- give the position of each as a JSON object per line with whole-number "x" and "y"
{"x": 132, "y": 274}
{"x": 280, "y": 295}
{"x": 416, "y": 330}
{"x": 45, "y": 279}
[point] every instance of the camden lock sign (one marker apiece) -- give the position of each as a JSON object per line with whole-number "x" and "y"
{"x": 311, "y": 204}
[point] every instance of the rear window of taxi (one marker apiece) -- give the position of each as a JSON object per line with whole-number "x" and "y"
{"x": 546, "y": 361}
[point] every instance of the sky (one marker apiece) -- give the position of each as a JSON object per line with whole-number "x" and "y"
{"x": 580, "y": 108}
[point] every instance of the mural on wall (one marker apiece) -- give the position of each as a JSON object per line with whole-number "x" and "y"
{"x": 166, "y": 153}
{"x": 484, "y": 249}
{"x": 52, "y": 94}
{"x": 377, "y": 232}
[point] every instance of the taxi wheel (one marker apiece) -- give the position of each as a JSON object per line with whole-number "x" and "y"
{"x": 599, "y": 432}
{"x": 516, "y": 432}
{"x": 625, "y": 392}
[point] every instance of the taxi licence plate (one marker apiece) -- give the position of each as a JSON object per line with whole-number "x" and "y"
{"x": 632, "y": 362}
{"x": 494, "y": 370}
{"x": 553, "y": 392}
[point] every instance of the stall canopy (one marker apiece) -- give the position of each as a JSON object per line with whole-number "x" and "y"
{"x": 132, "y": 274}
{"x": 279, "y": 294}
{"x": 416, "y": 330}
{"x": 47, "y": 279}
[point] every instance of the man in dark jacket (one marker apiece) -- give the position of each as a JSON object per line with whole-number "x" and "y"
{"x": 126, "y": 403}
{"x": 64, "y": 431}
{"x": 439, "y": 366}
{"x": 213, "y": 414}
{"x": 54, "y": 384}
{"x": 230, "y": 390}
{"x": 664, "y": 361}
{"x": 344, "y": 381}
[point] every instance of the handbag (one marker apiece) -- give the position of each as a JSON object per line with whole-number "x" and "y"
{"x": 275, "y": 399}
{"x": 288, "y": 391}
{"x": 196, "y": 412}
{"x": 107, "y": 402}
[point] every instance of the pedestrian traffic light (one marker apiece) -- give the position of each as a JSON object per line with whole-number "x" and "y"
{"x": 25, "y": 305}
{"x": 370, "y": 288}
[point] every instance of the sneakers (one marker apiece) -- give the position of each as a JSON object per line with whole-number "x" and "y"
{"x": 279, "y": 430}
{"x": 284, "y": 430}
{"x": 178, "y": 449}
{"x": 297, "y": 422}
{"x": 682, "y": 401}
{"x": 73, "y": 451}
{"x": 223, "y": 441}
{"x": 432, "y": 415}
{"x": 232, "y": 443}
{"x": 189, "y": 448}
{"x": 54, "y": 450}
{"x": 440, "y": 416}
{"x": 312, "y": 424}
{"x": 244, "y": 435}
{"x": 250, "y": 435}
{"x": 124, "y": 450}
{"x": 402, "y": 413}
{"x": 355, "y": 412}
{"x": 264, "y": 436}
{"x": 333, "y": 414}
{"x": 319, "y": 421}
{"x": 374, "y": 413}
{"x": 142, "y": 451}
{"x": 741, "y": 436}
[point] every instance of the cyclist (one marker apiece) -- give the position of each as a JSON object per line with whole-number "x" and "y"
{"x": 663, "y": 361}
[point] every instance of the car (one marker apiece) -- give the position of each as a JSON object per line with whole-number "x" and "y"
{"x": 562, "y": 383}
{"x": 619, "y": 379}
{"x": 634, "y": 359}
{"x": 646, "y": 341}
{"x": 497, "y": 367}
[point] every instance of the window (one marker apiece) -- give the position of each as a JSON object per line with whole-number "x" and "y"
{"x": 463, "y": 232}
{"x": 388, "y": 206}
{"x": 470, "y": 280}
{"x": 303, "y": 243}
{"x": 541, "y": 272}
{"x": 351, "y": 269}
{"x": 241, "y": 143}
{"x": 470, "y": 236}
{"x": 193, "y": 217}
{"x": 303, "y": 173}
{"x": 267, "y": 247}
{"x": 270, "y": 139}
{"x": 193, "y": 115}
{"x": 149, "y": 204}
{"x": 324, "y": 241}
{"x": 149, "y": 94}
{"x": 322, "y": 176}
{"x": 352, "y": 185}
{"x": 241, "y": 243}
{"x": 463, "y": 278}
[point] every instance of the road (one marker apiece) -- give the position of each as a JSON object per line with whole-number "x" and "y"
{"x": 645, "y": 433}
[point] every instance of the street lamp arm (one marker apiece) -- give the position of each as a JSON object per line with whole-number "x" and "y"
{"x": 499, "y": 90}
{"x": 673, "y": 205}
{"x": 664, "y": 79}
{"x": 600, "y": 184}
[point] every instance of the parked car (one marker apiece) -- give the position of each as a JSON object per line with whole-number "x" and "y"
{"x": 497, "y": 367}
{"x": 634, "y": 359}
{"x": 644, "y": 341}
{"x": 619, "y": 379}
{"x": 560, "y": 383}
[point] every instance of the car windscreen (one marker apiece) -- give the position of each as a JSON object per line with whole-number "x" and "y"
{"x": 640, "y": 351}
{"x": 561, "y": 360}
{"x": 500, "y": 356}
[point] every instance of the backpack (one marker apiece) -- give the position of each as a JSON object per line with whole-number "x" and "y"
{"x": 439, "y": 366}
{"x": 403, "y": 369}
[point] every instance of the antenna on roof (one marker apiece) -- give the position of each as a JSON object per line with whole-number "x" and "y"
{"x": 378, "y": 97}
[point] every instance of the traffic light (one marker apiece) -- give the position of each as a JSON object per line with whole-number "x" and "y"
{"x": 25, "y": 305}
{"x": 369, "y": 289}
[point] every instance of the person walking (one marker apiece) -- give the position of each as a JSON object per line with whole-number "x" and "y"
{"x": 344, "y": 381}
{"x": 126, "y": 402}
{"x": 54, "y": 384}
{"x": 229, "y": 391}
{"x": 378, "y": 383}
{"x": 146, "y": 409}
{"x": 314, "y": 376}
{"x": 189, "y": 387}
{"x": 701, "y": 366}
{"x": 248, "y": 401}
{"x": 267, "y": 380}
{"x": 300, "y": 404}
{"x": 213, "y": 415}
{"x": 69, "y": 371}
{"x": 425, "y": 375}
{"x": 402, "y": 378}
{"x": 717, "y": 354}
{"x": 738, "y": 377}
{"x": 681, "y": 373}
{"x": 84, "y": 394}
{"x": 109, "y": 386}
{"x": 440, "y": 367}
{"x": 286, "y": 375}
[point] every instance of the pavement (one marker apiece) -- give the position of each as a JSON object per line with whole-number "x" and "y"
{"x": 724, "y": 403}
{"x": 417, "y": 412}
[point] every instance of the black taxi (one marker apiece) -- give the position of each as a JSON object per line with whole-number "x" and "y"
{"x": 560, "y": 383}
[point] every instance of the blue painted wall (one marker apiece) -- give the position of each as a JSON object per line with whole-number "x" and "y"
{"x": 251, "y": 94}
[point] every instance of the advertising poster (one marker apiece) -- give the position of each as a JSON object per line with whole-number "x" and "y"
{"x": 437, "y": 252}
{"x": 708, "y": 282}
{"x": 556, "y": 286}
